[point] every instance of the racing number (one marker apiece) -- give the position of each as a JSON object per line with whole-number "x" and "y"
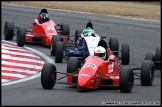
{"x": 90, "y": 65}
{"x": 50, "y": 28}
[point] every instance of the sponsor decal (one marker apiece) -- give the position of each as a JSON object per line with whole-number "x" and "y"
{"x": 111, "y": 67}
{"x": 90, "y": 65}
{"x": 85, "y": 75}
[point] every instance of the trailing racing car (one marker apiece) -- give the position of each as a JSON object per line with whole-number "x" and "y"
{"x": 42, "y": 31}
{"x": 98, "y": 70}
{"x": 85, "y": 43}
{"x": 156, "y": 58}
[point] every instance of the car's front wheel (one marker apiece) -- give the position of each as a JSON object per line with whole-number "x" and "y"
{"x": 59, "y": 52}
{"x": 126, "y": 80}
{"x": 147, "y": 73}
{"x": 21, "y": 37}
{"x": 48, "y": 76}
{"x": 55, "y": 38}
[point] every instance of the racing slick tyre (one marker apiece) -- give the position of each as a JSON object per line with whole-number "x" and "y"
{"x": 59, "y": 52}
{"x": 77, "y": 34}
{"x": 158, "y": 54}
{"x": 158, "y": 58}
{"x": 114, "y": 45}
{"x": 125, "y": 54}
{"x": 147, "y": 73}
{"x": 48, "y": 76}
{"x": 55, "y": 38}
{"x": 149, "y": 56}
{"x": 9, "y": 30}
{"x": 21, "y": 37}
{"x": 126, "y": 80}
{"x": 73, "y": 64}
{"x": 65, "y": 29}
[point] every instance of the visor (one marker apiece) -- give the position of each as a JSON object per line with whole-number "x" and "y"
{"x": 99, "y": 54}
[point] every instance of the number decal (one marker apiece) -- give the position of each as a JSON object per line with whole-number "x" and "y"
{"x": 50, "y": 28}
{"x": 90, "y": 65}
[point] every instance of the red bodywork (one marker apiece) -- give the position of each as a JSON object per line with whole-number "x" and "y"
{"x": 97, "y": 72}
{"x": 42, "y": 33}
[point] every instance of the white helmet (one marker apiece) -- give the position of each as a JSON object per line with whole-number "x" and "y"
{"x": 100, "y": 52}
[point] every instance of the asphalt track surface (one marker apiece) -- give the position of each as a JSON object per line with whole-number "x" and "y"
{"x": 142, "y": 37}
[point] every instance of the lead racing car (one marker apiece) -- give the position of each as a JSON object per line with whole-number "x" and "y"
{"x": 96, "y": 71}
{"x": 42, "y": 31}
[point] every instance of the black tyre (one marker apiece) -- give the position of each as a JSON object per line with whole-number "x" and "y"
{"x": 59, "y": 52}
{"x": 149, "y": 56}
{"x": 9, "y": 30}
{"x": 125, "y": 54}
{"x": 65, "y": 29}
{"x": 48, "y": 76}
{"x": 77, "y": 33}
{"x": 158, "y": 54}
{"x": 126, "y": 80}
{"x": 158, "y": 58}
{"x": 21, "y": 37}
{"x": 73, "y": 64}
{"x": 147, "y": 73}
{"x": 55, "y": 38}
{"x": 114, "y": 45}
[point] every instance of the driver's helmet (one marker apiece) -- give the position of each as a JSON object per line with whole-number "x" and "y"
{"x": 88, "y": 32}
{"x": 100, "y": 52}
{"x": 44, "y": 17}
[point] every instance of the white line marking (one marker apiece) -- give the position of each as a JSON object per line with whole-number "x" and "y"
{"x": 18, "y": 53}
{"x": 22, "y": 80}
{"x": 76, "y": 12}
{"x": 18, "y": 70}
{"x": 21, "y": 59}
{"x": 21, "y": 65}
{"x": 45, "y": 57}
{"x": 3, "y": 47}
{"x": 4, "y": 80}
{"x": 13, "y": 75}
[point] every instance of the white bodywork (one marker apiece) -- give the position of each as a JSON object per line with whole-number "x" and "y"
{"x": 92, "y": 42}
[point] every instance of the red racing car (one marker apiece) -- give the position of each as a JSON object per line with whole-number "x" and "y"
{"x": 95, "y": 72}
{"x": 42, "y": 31}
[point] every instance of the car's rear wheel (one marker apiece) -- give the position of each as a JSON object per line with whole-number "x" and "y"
{"x": 77, "y": 33}
{"x": 114, "y": 45}
{"x": 9, "y": 30}
{"x": 147, "y": 73}
{"x": 126, "y": 80}
{"x": 149, "y": 56}
{"x": 59, "y": 52}
{"x": 65, "y": 29}
{"x": 73, "y": 64}
{"x": 21, "y": 37}
{"x": 125, "y": 54}
{"x": 158, "y": 54}
{"x": 55, "y": 38}
{"x": 158, "y": 58}
{"x": 48, "y": 76}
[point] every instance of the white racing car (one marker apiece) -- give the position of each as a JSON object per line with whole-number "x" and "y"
{"x": 85, "y": 43}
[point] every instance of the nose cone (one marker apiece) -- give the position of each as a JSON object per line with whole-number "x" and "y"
{"x": 83, "y": 82}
